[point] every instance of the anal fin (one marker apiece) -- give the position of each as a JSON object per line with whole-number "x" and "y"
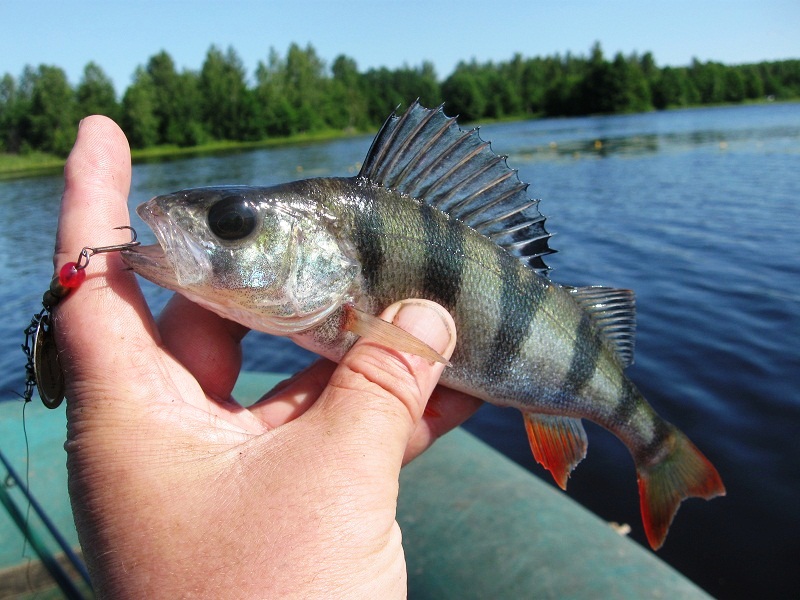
{"x": 558, "y": 443}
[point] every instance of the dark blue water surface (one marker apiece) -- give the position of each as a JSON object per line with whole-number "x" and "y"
{"x": 698, "y": 211}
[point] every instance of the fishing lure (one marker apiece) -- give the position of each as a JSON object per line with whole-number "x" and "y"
{"x": 43, "y": 369}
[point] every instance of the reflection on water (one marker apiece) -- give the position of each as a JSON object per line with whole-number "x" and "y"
{"x": 650, "y": 143}
{"x": 632, "y": 135}
{"x": 642, "y": 144}
{"x": 696, "y": 210}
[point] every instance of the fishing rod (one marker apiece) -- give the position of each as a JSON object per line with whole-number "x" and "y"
{"x": 53, "y": 567}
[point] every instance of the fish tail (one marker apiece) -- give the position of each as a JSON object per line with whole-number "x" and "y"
{"x": 681, "y": 472}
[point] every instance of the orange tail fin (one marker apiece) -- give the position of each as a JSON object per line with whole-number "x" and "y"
{"x": 682, "y": 473}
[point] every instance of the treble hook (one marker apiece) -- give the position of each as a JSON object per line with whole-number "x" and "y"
{"x": 87, "y": 252}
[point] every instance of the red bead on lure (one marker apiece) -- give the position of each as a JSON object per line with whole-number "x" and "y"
{"x": 43, "y": 369}
{"x": 71, "y": 276}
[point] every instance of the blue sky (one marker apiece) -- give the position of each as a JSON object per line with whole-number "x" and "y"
{"x": 119, "y": 35}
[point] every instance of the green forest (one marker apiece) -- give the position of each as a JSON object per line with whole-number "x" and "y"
{"x": 299, "y": 93}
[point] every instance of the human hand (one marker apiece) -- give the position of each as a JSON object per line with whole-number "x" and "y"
{"x": 177, "y": 490}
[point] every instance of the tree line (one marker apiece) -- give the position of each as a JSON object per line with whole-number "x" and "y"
{"x": 298, "y": 92}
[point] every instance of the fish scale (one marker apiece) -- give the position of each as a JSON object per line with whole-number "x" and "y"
{"x": 433, "y": 214}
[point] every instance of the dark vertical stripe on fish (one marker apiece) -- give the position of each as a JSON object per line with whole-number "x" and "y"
{"x": 517, "y": 311}
{"x": 367, "y": 238}
{"x": 584, "y": 357}
{"x": 661, "y": 430}
{"x": 627, "y": 403}
{"x": 444, "y": 258}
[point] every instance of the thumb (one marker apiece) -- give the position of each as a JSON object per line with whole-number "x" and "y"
{"x": 377, "y": 395}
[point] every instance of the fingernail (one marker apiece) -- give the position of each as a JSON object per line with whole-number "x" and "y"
{"x": 427, "y": 322}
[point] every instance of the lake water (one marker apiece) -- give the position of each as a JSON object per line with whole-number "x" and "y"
{"x": 696, "y": 210}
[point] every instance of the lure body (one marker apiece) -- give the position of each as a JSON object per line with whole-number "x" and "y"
{"x": 433, "y": 214}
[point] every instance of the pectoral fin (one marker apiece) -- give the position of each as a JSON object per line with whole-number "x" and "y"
{"x": 376, "y": 329}
{"x": 558, "y": 443}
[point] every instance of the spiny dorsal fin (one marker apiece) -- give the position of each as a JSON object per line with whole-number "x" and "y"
{"x": 614, "y": 313}
{"x": 425, "y": 155}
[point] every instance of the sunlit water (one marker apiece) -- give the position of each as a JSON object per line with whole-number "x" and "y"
{"x": 698, "y": 211}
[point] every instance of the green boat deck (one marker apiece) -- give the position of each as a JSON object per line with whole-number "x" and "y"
{"x": 475, "y": 524}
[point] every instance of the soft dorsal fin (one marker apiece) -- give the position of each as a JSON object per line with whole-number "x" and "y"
{"x": 614, "y": 313}
{"x": 425, "y": 155}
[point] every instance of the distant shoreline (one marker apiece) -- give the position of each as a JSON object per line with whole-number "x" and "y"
{"x": 39, "y": 164}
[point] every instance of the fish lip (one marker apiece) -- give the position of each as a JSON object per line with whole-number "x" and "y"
{"x": 176, "y": 260}
{"x": 151, "y": 254}
{"x": 151, "y": 263}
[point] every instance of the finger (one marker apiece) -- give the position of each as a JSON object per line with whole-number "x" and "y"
{"x": 207, "y": 345}
{"x": 446, "y": 410}
{"x": 294, "y": 396}
{"x": 377, "y": 395}
{"x": 99, "y": 321}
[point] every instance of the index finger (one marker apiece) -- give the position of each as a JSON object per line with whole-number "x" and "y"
{"x": 108, "y": 306}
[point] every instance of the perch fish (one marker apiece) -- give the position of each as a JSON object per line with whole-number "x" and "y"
{"x": 433, "y": 213}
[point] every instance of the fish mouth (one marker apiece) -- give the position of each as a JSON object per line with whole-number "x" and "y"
{"x": 176, "y": 261}
{"x": 151, "y": 263}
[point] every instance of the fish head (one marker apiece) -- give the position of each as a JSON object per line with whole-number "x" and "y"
{"x": 265, "y": 257}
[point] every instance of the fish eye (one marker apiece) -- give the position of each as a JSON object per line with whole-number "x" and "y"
{"x": 232, "y": 218}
